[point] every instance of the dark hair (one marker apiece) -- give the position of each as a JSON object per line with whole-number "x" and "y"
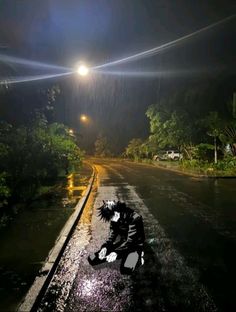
{"x": 105, "y": 213}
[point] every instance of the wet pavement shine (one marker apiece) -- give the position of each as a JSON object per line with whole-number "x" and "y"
{"x": 26, "y": 241}
{"x": 189, "y": 251}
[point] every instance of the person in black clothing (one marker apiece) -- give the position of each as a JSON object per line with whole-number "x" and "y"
{"x": 126, "y": 238}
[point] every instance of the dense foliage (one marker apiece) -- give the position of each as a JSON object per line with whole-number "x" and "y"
{"x": 33, "y": 155}
{"x": 199, "y": 121}
{"x": 102, "y": 147}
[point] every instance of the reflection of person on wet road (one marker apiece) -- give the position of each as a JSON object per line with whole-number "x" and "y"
{"x": 126, "y": 237}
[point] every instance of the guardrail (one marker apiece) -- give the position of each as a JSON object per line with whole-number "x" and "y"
{"x": 42, "y": 280}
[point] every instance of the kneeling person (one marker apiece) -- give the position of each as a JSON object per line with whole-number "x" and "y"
{"x": 126, "y": 237}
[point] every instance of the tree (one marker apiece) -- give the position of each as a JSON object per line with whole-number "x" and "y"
{"x": 228, "y": 135}
{"x": 134, "y": 148}
{"x": 170, "y": 129}
{"x": 102, "y": 146}
{"x": 30, "y": 156}
{"x": 214, "y": 125}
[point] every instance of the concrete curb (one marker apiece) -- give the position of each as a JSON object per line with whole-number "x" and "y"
{"x": 42, "y": 280}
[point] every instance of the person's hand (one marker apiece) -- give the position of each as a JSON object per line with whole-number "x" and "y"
{"x": 112, "y": 257}
{"x": 142, "y": 259}
{"x": 102, "y": 253}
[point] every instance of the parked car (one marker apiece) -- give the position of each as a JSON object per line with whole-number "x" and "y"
{"x": 168, "y": 155}
{"x": 160, "y": 156}
{"x": 174, "y": 155}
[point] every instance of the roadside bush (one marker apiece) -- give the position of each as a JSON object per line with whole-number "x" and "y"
{"x": 204, "y": 152}
{"x": 34, "y": 155}
{"x": 227, "y": 164}
{"x": 196, "y": 164}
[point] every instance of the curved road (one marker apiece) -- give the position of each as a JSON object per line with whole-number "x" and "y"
{"x": 190, "y": 252}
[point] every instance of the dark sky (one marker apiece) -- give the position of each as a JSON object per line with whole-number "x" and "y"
{"x": 97, "y": 31}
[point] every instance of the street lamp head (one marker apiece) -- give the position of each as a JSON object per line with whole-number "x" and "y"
{"x": 83, "y": 118}
{"x": 83, "y": 70}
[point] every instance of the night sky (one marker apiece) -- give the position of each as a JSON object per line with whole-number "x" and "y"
{"x": 65, "y": 32}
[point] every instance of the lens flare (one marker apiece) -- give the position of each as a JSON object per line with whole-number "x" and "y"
{"x": 30, "y": 63}
{"x": 7, "y": 81}
{"x": 9, "y": 60}
{"x": 161, "y": 73}
{"x": 165, "y": 46}
{"x": 84, "y": 70}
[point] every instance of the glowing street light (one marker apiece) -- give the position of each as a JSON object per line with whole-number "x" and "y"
{"x": 71, "y": 131}
{"x": 83, "y": 70}
{"x": 83, "y": 118}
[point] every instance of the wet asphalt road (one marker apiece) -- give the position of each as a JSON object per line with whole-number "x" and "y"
{"x": 189, "y": 254}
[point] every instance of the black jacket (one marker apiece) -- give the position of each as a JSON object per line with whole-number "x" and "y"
{"x": 127, "y": 233}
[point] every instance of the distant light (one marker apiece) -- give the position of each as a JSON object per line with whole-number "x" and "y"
{"x": 71, "y": 131}
{"x": 83, "y": 70}
{"x": 83, "y": 118}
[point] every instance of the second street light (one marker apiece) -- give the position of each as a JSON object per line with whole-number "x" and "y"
{"x": 84, "y": 118}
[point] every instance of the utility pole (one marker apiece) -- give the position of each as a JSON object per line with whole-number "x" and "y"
{"x": 215, "y": 150}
